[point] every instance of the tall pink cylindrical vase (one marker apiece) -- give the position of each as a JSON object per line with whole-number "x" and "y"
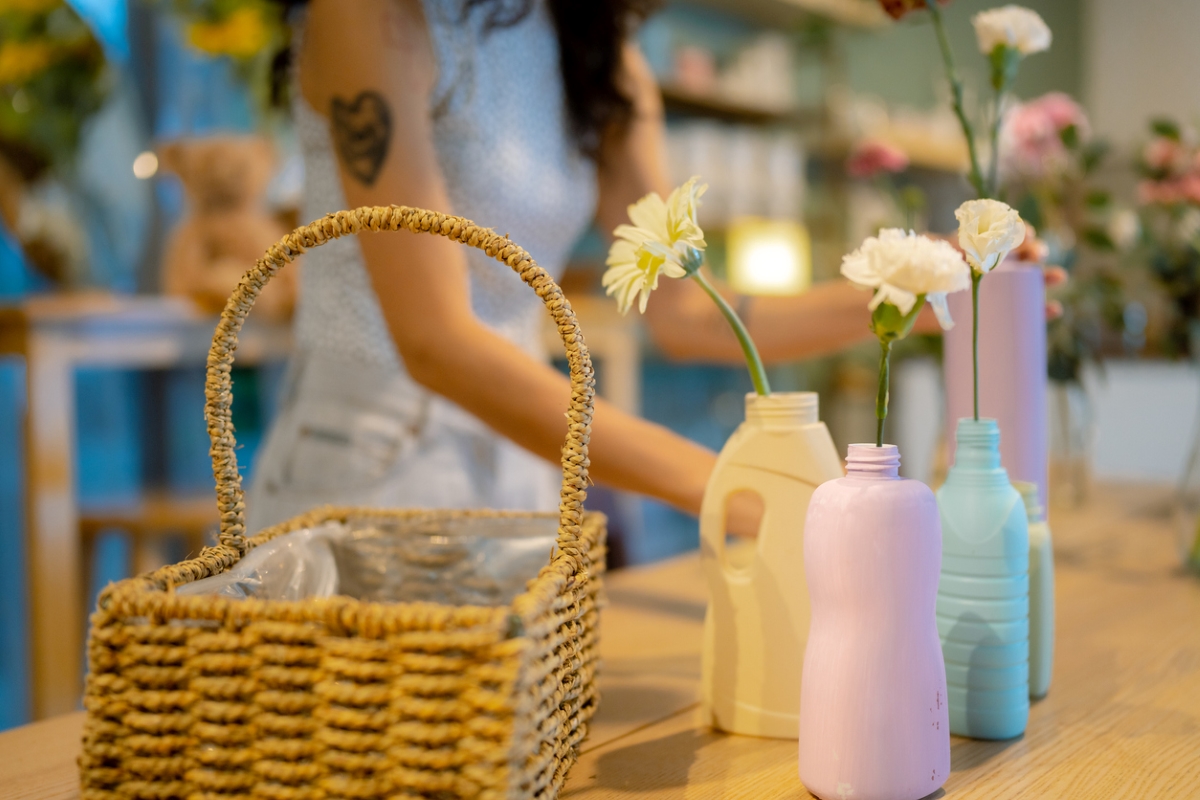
{"x": 1012, "y": 368}
{"x": 873, "y": 718}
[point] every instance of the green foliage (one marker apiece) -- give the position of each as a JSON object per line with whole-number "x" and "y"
{"x": 1092, "y": 154}
{"x": 1166, "y": 128}
{"x": 1099, "y": 239}
{"x": 45, "y": 106}
{"x": 1070, "y": 137}
{"x": 1091, "y": 306}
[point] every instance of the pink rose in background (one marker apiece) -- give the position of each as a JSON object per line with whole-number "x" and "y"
{"x": 1189, "y": 187}
{"x": 1165, "y": 155}
{"x": 1169, "y": 191}
{"x": 873, "y": 157}
{"x": 1063, "y": 111}
{"x": 1031, "y": 143}
{"x": 1172, "y": 165}
{"x": 1159, "y": 192}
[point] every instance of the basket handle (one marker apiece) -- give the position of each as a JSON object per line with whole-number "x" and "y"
{"x": 218, "y": 391}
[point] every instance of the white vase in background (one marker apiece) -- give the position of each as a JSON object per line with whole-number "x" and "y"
{"x": 757, "y": 620}
{"x": 1187, "y": 495}
{"x": 1072, "y": 431}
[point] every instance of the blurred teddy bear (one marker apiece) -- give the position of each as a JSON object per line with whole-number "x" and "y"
{"x": 227, "y": 226}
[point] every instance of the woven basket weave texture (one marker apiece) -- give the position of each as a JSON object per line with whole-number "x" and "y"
{"x": 210, "y": 697}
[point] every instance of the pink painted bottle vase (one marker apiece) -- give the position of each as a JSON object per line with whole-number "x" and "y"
{"x": 874, "y": 723}
{"x": 1013, "y": 386}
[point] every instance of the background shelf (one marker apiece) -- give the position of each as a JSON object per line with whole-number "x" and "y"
{"x": 781, "y": 13}
{"x": 678, "y": 99}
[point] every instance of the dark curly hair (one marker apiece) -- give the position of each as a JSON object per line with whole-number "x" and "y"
{"x": 590, "y": 33}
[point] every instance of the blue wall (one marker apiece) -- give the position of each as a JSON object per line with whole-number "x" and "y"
{"x": 14, "y": 632}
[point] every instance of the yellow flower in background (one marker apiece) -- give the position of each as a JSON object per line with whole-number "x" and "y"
{"x": 663, "y": 239}
{"x": 20, "y": 61}
{"x": 30, "y": 6}
{"x": 242, "y": 34}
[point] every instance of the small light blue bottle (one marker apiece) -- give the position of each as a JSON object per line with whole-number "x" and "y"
{"x": 983, "y": 593}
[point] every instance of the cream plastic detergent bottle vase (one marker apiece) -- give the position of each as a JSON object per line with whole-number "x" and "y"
{"x": 983, "y": 594}
{"x": 757, "y": 618}
{"x": 873, "y": 713}
{"x": 1041, "y": 592}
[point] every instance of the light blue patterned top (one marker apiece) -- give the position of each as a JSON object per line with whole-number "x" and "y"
{"x": 355, "y": 429}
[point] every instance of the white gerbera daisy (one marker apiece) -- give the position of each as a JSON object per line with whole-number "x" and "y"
{"x": 663, "y": 239}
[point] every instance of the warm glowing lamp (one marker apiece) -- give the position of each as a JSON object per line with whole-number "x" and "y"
{"x": 768, "y": 256}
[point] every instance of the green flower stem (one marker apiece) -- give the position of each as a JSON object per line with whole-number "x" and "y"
{"x": 889, "y": 325}
{"x": 881, "y": 400}
{"x": 976, "y": 277}
{"x": 758, "y": 373}
{"x": 994, "y": 167}
{"x": 956, "y": 88}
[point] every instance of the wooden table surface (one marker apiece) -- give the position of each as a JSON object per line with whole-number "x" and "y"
{"x": 1122, "y": 718}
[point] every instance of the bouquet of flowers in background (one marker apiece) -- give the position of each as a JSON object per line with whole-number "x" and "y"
{"x": 1048, "y": 161}
{"x": 1047, "y": 153}
{"x": 1169, "y": 250}
{"x": 251, "y": 33}
{"x": 239, "y": 29}
{"x": 1169, "y": 240}
{"x": 52, "y": 79}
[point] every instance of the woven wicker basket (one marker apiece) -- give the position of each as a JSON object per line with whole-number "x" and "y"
{"x": 208, "y": 697}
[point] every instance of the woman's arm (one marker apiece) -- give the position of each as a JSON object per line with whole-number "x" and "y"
{"x": 683, "y": 321}
{"x": 369, "y": 66}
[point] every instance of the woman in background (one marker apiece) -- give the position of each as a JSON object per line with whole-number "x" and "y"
{"x": 419, "y": 378}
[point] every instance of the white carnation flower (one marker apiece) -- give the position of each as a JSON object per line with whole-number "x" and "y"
{"x": 902, "y": 266}
{"x": 1187, "y": 229}
{"x": 1015, "y": 27}
{"x": 663, "y": 239}
{"x": 988, "y": 231}
{"x": 1124, "y": 228}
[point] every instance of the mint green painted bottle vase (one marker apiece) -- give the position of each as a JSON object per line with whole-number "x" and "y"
{"x": 983, "y": 594}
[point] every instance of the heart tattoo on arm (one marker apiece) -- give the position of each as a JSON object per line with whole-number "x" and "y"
{"x": 362, "y": 131}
